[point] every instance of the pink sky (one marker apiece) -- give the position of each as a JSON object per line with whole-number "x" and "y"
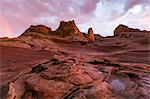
{"x": 102, "y": 15}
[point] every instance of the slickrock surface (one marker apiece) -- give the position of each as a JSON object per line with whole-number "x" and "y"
{"x": 61, "y": 64}
{"x": 61, "y": 77}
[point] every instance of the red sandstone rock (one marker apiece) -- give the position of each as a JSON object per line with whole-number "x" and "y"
{"x": 90, "y": 36}
{"x": 38, "y": 29}
{"x": 126, "y": 32}
{"x": 98, "y": 37}
{"x": 61, "y": 81}
{"x": 70, "y": 29}
{"x": 67, "y": 29}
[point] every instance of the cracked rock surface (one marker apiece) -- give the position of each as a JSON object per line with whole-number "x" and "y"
{"x": 67, "y": 77}
{"x": 61, "y": 81}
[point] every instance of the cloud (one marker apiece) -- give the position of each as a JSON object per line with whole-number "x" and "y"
{"x": 131, "y": 3}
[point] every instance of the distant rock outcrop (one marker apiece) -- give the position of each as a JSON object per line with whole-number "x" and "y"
{"x": 126, "y": 32}
{"x": 38, "y": 29}
{"x": 90, "y": 36}
{"x": 98, "y": 37}
{"x": 69, "y": 29}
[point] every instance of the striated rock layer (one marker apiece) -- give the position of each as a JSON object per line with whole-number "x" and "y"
{"x": 126, "y": 32}
{"x": 90, "y": 36}
{"x": 69, "y": 29}
{"x": 38, "y": 29}
{"x": 61, "y": 78}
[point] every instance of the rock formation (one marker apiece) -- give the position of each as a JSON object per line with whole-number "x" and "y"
{"x": 67, "y": 29}
{"x": 98, "y": 37}
{"x": 126, "y": 32}
{"x": 38, "y": 29}
{"x": 90, "y": 36}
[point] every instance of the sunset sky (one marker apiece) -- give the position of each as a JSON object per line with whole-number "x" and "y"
{"x": 102, "y": 15}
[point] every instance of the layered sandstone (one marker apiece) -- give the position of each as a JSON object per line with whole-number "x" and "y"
{"x": 90, "y": 35}
{"x": 69, "y": 29}
{"x": 40, "y": 29}
{"x": 126, "y": 32}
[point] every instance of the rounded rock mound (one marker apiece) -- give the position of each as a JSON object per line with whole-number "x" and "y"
{"x": 41, "y": 29}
